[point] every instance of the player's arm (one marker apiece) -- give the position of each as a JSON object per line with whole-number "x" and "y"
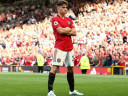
{"x": 63, "y": 30}
{"x": 72, "y": 32}
{"x": 67, "y": 31}
{"x": 57, "y": 26}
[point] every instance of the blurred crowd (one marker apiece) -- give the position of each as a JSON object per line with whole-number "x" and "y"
{"x": 12, "y": 16}
{"x": 102, "y": 33}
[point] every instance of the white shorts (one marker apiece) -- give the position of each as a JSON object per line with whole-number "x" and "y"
{"x": 62, "y": 57}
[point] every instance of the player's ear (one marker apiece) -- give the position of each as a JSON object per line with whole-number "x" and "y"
{"x": 58, "y": 8}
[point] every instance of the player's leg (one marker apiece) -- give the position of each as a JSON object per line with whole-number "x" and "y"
{"x": 52, "y": 77}
{"x": 70, "y": 78}
{"x": 69, "y": 61}
{"x": 58, "y": 58}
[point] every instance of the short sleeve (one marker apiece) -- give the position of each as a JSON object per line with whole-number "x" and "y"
{"x": 55, "y": 23}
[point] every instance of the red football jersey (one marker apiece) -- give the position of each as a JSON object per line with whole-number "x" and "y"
{"x": 63, "y": 42}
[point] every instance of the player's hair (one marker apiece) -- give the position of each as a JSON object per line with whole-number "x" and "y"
{"x": 61, "y": 2}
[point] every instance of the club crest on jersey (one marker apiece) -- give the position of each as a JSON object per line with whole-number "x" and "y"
{"x": 69, "y": 22}
{"x": 55, "y": 23}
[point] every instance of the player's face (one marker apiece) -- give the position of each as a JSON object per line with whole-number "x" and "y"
{"x": 63, "y": 9}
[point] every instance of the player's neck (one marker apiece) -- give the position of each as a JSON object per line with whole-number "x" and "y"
{"x": 61, "y": 15}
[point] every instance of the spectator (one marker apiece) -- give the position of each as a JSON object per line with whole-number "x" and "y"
{"x": 116, "y": 63}
{"x": 108, "y": 61}
{"x": 91, "y": 61}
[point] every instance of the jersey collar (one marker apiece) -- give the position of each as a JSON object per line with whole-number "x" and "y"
{"x": 60, "y": 17}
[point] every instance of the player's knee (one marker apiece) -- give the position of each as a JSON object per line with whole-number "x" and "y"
{"x": 70, "y": 69}
{"x": 54, "y": 69}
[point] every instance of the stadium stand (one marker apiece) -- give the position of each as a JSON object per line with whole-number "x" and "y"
{"x": 102, "y": 31}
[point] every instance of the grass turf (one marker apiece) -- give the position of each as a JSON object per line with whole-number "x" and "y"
{"x": 35, "y": 84}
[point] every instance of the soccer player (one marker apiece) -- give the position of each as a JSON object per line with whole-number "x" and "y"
{"x": 63, "y": 50}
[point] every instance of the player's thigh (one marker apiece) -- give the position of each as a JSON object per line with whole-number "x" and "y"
{"x": 58, "y": 57}
{"x": 69, "y": 60}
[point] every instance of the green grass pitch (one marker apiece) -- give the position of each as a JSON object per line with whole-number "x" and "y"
{"x": 35, "y": 84}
